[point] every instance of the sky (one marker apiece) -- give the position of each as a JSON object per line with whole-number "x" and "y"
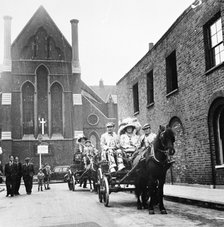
{"x": 113, "y": 34}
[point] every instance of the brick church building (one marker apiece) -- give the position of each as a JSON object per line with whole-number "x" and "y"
{"x": 43, "y": 98}
{"x": 180, "y": 82}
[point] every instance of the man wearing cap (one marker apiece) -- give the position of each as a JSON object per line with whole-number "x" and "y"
{"x": 110, "y": 148}
{"x": 148, "y": 137}
{"x": 28, "y": 172}
{"x": 146, "y": 140}
{"x": 18, "y": 170}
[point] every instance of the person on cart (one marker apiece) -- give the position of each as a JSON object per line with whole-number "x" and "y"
{"x": 110, "y": 149}
{"x": 90, "y": 153}
{"x": 80, "y": 154}
{"x": 129, "y": 139}
{"x": 146, "y": 141}
{"x": 80, "y": 146}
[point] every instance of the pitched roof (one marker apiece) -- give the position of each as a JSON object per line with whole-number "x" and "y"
{"x": 106, "y": 92}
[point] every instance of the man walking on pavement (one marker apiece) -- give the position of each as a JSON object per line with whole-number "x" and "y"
{"x": 28, "y": 172}
{"x": 10, "y": 176}
{"x": 18, "y": 172}
{"x": 1, "y": 175}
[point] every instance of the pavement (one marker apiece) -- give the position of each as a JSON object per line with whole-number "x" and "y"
{"x": 199, "y": 195}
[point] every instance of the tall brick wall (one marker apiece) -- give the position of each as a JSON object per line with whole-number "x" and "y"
{"x": 191, "y": 102}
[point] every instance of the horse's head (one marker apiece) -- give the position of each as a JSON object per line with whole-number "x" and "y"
{"x": 166, "y": 139}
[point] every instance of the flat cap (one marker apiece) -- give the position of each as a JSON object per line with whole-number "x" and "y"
{"x": 110, "y": 124}
{"x": 145, "y": 126}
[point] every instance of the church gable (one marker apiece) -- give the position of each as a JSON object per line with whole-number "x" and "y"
{"x": 41, "y": 39}
{"x": 42, "y": 46}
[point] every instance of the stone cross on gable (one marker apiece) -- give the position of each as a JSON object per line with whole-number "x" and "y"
{"x": 42, "y": 122}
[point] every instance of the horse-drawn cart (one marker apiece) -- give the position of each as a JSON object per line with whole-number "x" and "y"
{"x": 78, "y": 174}
{"x": 114, "y": 182}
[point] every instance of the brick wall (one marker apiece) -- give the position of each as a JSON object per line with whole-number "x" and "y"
{"x": 191, "y": 102}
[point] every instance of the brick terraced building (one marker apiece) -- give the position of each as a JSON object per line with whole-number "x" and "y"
{"x": 180, "y": 82}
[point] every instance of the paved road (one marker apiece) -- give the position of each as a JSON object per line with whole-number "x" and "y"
{"x": 61, "y": 207}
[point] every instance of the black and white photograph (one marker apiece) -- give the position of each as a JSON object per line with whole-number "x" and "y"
{"x": 111, "y": 113}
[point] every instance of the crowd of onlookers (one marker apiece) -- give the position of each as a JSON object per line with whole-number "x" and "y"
{"x": 14, "y": 171}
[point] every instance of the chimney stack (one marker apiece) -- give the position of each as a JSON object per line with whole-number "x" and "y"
{"x": 150, "y": 46}
{"x": 101, "y": 85}
{"x": 75, "y": 47}
{"x": 7, "y": 43}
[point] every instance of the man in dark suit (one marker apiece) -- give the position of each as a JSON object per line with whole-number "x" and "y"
{"x": 10, "y": 176}
{"x": 18, "y": 171}
{"x": 28, "y": 172}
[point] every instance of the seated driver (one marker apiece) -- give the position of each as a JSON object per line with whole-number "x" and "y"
{"x": 146, "y": 140}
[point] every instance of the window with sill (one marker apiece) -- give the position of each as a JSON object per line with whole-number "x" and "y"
{"x": 135, "y": 98}
{"x": 150, "y": 88}
{"x": 213, "y": 37}
{"x": 171, "y": 73}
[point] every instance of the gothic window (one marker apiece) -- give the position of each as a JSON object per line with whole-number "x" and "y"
{"x": 56, "y": 109}
{"x": 48, "y": 47}
{"x": 42, "y": 98}
{"x": 28, "y": 108}
{"x": 35, "y": 47}
{"x": 94, "y": 138}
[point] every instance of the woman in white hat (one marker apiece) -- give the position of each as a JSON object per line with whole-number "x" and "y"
{"x": 129, "y": 140}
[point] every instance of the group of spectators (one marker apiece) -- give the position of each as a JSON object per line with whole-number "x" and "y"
{"x": 14, "y": 171}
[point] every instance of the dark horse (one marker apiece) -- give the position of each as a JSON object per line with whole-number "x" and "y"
{"x": 91, "y": 172}
{"x": 152, "y": 171}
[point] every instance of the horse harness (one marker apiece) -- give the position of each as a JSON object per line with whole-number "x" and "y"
{"x": 155, "y": 160}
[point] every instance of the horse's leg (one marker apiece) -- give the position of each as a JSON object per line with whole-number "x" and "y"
{"x": 138, "y": 193}
{"x": 152, "y": 193}
{"x": 144, "y": 195}
{"x": 160, "y": 195}
{"x": 90, "y": 184}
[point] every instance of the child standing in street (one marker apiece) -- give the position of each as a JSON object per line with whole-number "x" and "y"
{"x": 40, "y": 178}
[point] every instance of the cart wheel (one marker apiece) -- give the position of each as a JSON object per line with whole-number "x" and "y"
{"x": 73, "y": 183}
{"x": 99, "y": 184}
{"x": 105, "y": 191}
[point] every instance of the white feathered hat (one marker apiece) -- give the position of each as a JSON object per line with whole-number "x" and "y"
{"x": 133, "y": 122}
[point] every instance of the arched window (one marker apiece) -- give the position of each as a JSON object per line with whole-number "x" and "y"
{"x": 216, "y": 128}
{"x": 56, "y": 109}
{"x": 28, "y": 108}
{"x": 42, "y": 98}
{"x": 178, "y": 171}
{"x": 94, "y": 138}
